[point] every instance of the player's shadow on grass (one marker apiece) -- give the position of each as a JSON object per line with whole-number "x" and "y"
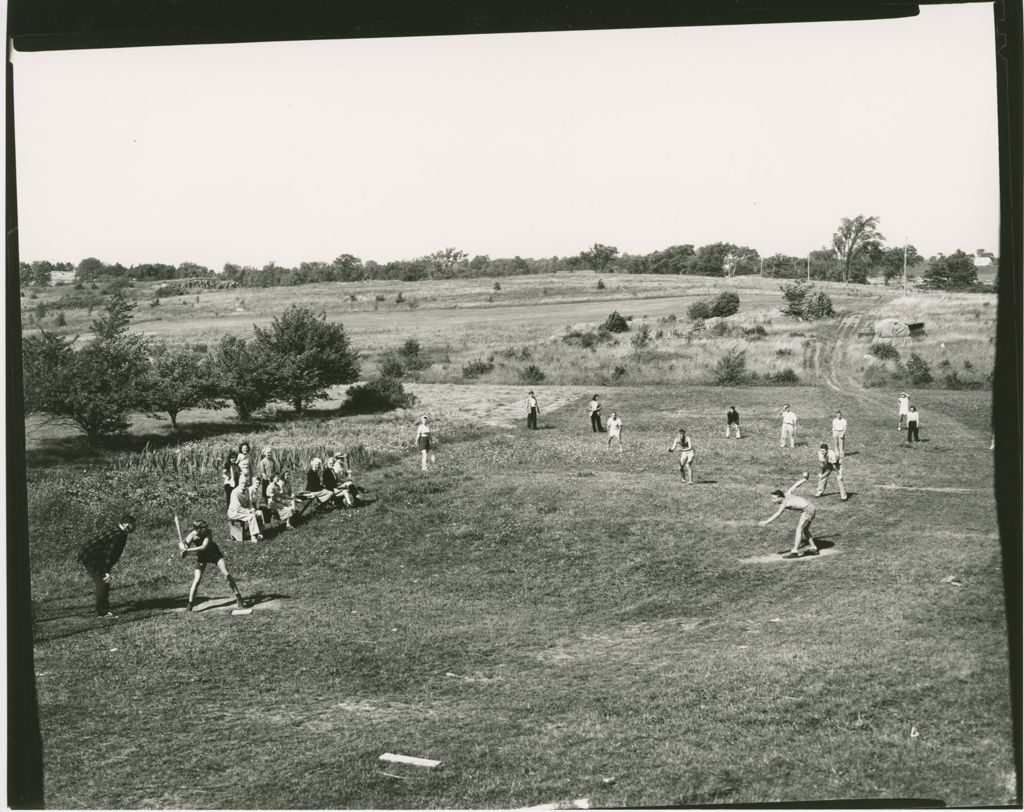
{"x": 823, "y": 543}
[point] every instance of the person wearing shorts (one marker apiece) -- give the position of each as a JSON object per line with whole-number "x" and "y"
{"x": 904, "y": 407}
{"x": 790, "y": 501}
{"x": 200, "y": 541}
{"x": 831, "y": 463}
{"x": 788, "y": 427}
{"x": 614, "y": 427}
{"x": 839, "y": 434}
{"x": 686, "y": 456}
{"x": 732, "y": 421}
{"x": 423, "y": 440}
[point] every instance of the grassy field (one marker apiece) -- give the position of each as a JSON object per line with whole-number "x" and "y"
{"x": 550, "y": 619}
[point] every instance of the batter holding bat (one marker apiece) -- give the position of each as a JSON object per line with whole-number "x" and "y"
{"x": 200, "y": 541}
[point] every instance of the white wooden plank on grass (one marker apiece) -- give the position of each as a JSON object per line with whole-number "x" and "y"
{"x": 419, "y": 762}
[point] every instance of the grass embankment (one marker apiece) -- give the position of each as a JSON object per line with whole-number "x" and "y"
{"x": 542, "y": 614}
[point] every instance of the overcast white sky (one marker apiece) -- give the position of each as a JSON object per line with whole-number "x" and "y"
{"x": 529, "y": 144}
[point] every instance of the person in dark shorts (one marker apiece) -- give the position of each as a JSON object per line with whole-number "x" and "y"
{"x": 200, "y": 541}
{"x": 99, "y": 554}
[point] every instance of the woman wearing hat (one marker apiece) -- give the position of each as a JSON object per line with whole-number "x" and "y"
{"x": 200, "y": 541}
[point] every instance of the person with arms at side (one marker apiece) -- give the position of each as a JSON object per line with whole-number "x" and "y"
{"x": 831, "y": 463}
{"x": 423, "y": 440}
{"x": 595, "y": 415}
{"x": 200, "y": 541}
{"x": 732, "y": 421}
{"x": 839, "y": 434}
{"x": 913, "y": 423}
{"x": 266, "y": 469}
{"x": 614, "y": 428}
{"x": 99, "y": 555}
{"x": 532, "y": 411}
{"x": 788, "y": 427}
{"x": 686, "y": 455}
{"x": 790, "y": 501}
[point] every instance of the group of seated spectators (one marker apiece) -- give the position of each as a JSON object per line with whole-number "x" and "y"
{"x": 257, "y": 497}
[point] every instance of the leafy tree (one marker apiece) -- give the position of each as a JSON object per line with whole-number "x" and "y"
{"x": 710, "y": 259}
{"x": 443, "y": 263}
{"x": 855, "y": 239}
{"x": 95, "y": 387}
{"x": 89, "y": 269}
{"x": 180, "y": 377}
{"x": 954, "y": 272}
{"x": 241, "y": 375}
{"x": 890, "y": 260}
{"x": 306, "y": 355}
{"x": 599, "y": 257}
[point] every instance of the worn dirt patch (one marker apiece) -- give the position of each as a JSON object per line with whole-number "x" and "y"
{"x": 493, "y": 404}
{"x": 776, "y": 558}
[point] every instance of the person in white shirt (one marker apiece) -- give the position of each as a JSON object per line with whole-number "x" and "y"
{"x": 839, "y": 434}
{"x": 904, "y": 406}
{"x": 614, "y": 427}
{"x": 595, "y": 415}
{"x": 423, "y": 440}
{"x": 788, "y": 427}
{"x": 686, "y": 456}
{"x": 532, "y": 410}
{"x": 831, "y": 463}
{"x": 913, "y": 421}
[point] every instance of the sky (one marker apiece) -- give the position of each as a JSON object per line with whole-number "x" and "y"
{"x": 535, "y": 144}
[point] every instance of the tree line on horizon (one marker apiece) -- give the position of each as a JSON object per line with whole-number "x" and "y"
{"x": 856, "y": 251}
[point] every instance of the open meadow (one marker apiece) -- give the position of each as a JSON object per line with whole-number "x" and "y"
{"x": 549, "y": 618}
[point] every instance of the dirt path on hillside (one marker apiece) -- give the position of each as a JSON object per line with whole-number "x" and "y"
{"x": 840, "y": 376}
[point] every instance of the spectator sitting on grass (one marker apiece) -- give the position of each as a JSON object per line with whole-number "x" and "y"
{"x": 315, "y": 489}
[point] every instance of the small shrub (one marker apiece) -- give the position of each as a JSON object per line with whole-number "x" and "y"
{"x": 727, "y": 303}
{"x": 818, "y": 305}
{"x": 377, "y": 395}
{"x": 600, "y": 284}
{"x": 390, "y": 365}
{"x": 615, "y": 323}
{"x": 784, "y": 377}
{"x": 919, "y": 370}
{"x": 887, "y": 352}
{"x": 642, "y": 337}
{"x": 731, "y": 368}
{"x": 476, "y": 368}
{"x": 699, "y": 311}
{"x": 531, "y": 374}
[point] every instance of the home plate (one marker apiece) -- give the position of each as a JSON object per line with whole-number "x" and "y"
{"x": 776, "y": 557}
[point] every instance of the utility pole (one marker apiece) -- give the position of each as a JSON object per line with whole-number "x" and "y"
{"x": 904, "y": 266}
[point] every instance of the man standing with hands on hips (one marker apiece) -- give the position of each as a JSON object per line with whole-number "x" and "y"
{"x": 99, "y": 554}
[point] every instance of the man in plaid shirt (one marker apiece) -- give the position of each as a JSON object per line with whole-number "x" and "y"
{"x": 98, "y": 556}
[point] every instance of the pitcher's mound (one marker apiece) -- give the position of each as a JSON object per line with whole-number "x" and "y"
{"x": 772, "y": 558}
